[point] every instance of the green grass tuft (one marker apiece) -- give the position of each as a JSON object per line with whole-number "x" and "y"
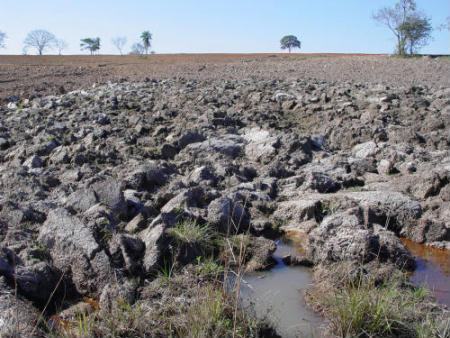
{"x": 191, "y": 233}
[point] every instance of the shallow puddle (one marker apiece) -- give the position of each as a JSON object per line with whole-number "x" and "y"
{"x": 433, "y": 269}
{"x": 277, "y": 296}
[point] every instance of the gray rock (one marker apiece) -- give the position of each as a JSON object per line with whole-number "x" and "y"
{"x": 297, "y": 211}
{"x": 344, "y": 237}
{"x": 37, "y": 282}
{"x": 10, "y": 324}
{"x": 188, "y": 137}
{"x": 33, "y": 162}
{"x": 227, "y": 215}
{"x": 390, "y": 208}
{"x": 138, "y": 223}
{"x": 110, "y": 193}
{"x": 153, "y": 238}
{"x": 168, "y": 151}
{"x": 321, "y": 183}
{"x": 385, "y": 167}
{"x": 60, "y": 155}
{"x": 149, "y": 176}
{"x": 261, "y": 146}
{"x": 260, "y": 251}
{"x": 126, "y": 253}
{"x": 365, "y": 150}
{"x": 117, "y": 292}
{"x": 202, "y": 175}
{"x": 81, "y": 200}
{"x": 4, "y": 143}
{"x": 75, "y": 251}
{"x": 229, "y": 145}
{"x": 282, "y": 97}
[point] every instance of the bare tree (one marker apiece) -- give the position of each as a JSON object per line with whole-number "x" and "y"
{"x": 61, "y": 45}
{"x": 137, "y": 49}
{"x": 2, "y": 39}
{"x": 41, "y": 40}
{"x": 394, "y": 18}
{"x": 120, "y": 42}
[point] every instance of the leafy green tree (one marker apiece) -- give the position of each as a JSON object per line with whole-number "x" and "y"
{"x": 416, "y": 31}
{"x": 2, "y": 39}
{"x": 411, "y": 28}
{"x": 146, "y": 38}
{"x": 41, "y": 40}
{"x": 289, "y": 42}
{"x": 91, "y": 44}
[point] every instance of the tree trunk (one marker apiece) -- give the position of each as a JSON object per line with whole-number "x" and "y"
{"x": 289, "y": 50}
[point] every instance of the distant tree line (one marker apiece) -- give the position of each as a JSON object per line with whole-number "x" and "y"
{"x": 411, "y": 28}
{"x": 41, "y": 41}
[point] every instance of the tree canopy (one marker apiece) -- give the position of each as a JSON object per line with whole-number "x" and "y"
{"x": 289, "y": 42}
{"x": 91, "y": 44}
{"x": 416, "y": 31}
{"x": 146, "y": 38}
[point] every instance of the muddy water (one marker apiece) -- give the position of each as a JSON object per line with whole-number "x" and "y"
{"x": 433, "y": 269}
{"x": 277, "y": 296}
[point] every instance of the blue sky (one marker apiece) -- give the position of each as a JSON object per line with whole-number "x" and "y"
{"x": 189, "y": 26}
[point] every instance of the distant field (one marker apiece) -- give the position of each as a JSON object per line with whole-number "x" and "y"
{"x": 29, "y": 76}
{"x": 158, "y": 58}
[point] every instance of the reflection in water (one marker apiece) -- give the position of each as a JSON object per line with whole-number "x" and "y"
{"x": 433, "y": 269}
{"x": 277, "y": 295}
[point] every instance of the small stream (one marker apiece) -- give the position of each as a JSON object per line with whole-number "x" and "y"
{"x": 277, "y": 295}
{"x": 433, "y": 270}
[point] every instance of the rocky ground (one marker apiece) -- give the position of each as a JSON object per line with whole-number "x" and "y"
{"x": 95, "y": 183}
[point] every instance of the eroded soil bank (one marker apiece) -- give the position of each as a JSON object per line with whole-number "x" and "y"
{"x": 121, "y": 193}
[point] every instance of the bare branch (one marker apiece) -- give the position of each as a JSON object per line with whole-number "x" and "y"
{"x": 119, "y": 42}
{"x": 60, "y": 45}
{"x": 41, "y": 40}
